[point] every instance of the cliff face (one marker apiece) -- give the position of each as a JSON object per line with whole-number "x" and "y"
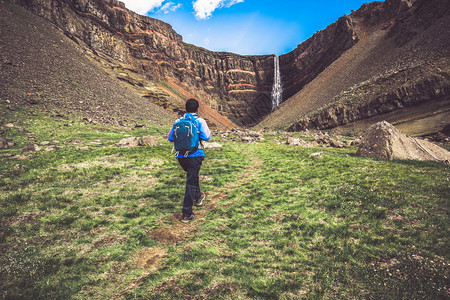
{"x": 434, "y": 88}
{"x": 311, "y": 57}
{"x": 42, "y": 71}
{"x": 396, "y": 66}
{"x": 236, "y": 86}
{"x": 302, "y": 65}
{"x": 421, "y": 76}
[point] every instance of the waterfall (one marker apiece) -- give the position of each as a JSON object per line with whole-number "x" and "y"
{"x": 277, "y": 89}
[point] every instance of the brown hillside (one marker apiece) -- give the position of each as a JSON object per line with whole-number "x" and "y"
{"x": 388, "y": 59}
{"x": 150, "y": 56}
{"x": 394, "y": 66}
{"x": 41, "y": 68}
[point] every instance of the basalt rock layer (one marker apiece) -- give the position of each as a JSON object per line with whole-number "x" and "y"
{"x": 235, "y": 89}
{"x": 396, "y": 67}
{"x": 390, "y": 97}
{"x": 236, "y": 86}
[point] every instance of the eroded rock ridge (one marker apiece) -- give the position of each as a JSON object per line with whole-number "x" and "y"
{"x": 236, "y": 86}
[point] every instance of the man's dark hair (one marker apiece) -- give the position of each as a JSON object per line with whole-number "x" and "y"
{"x": 191, "y": 105}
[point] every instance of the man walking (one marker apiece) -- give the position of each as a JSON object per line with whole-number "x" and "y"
{"x": 191, "y": 161}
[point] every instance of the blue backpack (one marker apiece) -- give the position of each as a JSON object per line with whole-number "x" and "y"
{"x": 186, "y": 135}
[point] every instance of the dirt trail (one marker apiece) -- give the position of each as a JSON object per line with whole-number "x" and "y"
{"x": 172, "y": 231}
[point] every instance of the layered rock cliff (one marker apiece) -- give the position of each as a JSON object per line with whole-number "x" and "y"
{"x": 396, "y": 63}
{"x": 311, "y": 57}
{"x": 234, "y": 85}
{"x": 142, "y": 50}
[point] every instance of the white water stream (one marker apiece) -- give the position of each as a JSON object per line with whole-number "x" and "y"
{"x": 277, "y": 88}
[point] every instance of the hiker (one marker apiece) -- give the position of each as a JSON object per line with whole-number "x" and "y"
{"x": 190, "y": 129}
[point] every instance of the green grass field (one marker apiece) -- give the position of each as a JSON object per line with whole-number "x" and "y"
{"x": 277, "y": 224}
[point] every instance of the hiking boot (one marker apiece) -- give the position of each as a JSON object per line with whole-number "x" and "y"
{"x": 199, "y": 201}
{"x": 186, "y": 218}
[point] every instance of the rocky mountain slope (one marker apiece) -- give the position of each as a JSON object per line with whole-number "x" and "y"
{"x": 385, "y": 58}
{"x": 151, "y": 56}
{"x": 396, "y": 69}
{"x": 41, "y": 69}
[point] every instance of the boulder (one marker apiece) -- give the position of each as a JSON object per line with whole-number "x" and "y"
{"x": 20, "y": 157}
{"x": 17, "y": 168}
{"x": 128, "y": 142}
{"x": 254, "y": 134}
{"x": 317, "y": 154}
{"x": 246, "y": 139}
{"x": 3, "y": 144}
{"x": 355, "y": 142}
{"x": 382, "y": 140}
{"x": 337, "y": 144}
{"x": 77, "y": 141}
{"x": 50, "y": 148}
{"x": 212, "y": 145}
{"x": 149, "y": 140}
{"x": 292, "y": 141}
{"x": 31, "y": 148}
{"x": 6, "y": 143}
{"x": 323, "y": 139}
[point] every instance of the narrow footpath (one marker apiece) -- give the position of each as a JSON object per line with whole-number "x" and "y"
{"x": 172, "y": 231}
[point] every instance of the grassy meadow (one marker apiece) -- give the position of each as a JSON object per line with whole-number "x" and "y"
{"x": 103, "y": 223}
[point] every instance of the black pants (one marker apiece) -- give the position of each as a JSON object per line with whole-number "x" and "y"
{"x": 192, "y": 167}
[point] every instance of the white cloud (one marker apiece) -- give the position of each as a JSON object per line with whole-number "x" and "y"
{"x": 205, "y": 8}
{"x": 232, "y": 2}
{"x": 144, "y": 6}
{"x": 170, "y": 7}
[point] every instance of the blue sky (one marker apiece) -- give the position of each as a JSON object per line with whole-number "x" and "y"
{"x": 246, "y": 26}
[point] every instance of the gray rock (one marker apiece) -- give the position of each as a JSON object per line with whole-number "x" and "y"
{"x": 3, "y": 144}
{"x": 50, "y": 148}
{"x": 20, "y": 157}
{"x": 255, "y": 134}
{"x": 292, "y": 141}
{"x": 31, "y": 148}
{"x": 323, "y": 139}
{"x": 246, "y": 139}
{"x": 128, "y": 142}
{"x": 355, "y": 142}
{"x": 6, "y": 143}
{"x": 337, "y": 144}
{"x": 149, "y": 141}
{"x": 317, "y": 154}
{"x": 212, "y": 145}
{"x": 382, "y": 140}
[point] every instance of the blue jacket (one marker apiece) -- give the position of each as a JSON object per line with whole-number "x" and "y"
{"x": 205, "y": 134}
